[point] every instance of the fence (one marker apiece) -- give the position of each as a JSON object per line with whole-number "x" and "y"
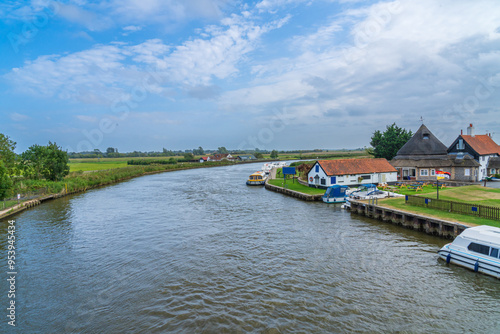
{"x": 488, "y": 212}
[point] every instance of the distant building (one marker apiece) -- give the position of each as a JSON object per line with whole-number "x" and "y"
{"x": 246, "y": 157}
{"x": 325, "y": 173}
{"x": 423, "y": 154}
{"x": 220, "y": 157}
{"x": 204, "y": 159}
{"x": 481, "y": 148}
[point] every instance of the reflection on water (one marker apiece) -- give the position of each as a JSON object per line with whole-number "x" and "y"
{"x": 199, "y": 251}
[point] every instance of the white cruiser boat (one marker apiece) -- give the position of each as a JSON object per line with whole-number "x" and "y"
{"x": 476, "y": 248}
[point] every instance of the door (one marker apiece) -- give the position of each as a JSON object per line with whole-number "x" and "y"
{"x": 333, "y": 180}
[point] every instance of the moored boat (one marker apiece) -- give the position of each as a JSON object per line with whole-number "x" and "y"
{"x": 335, "y": 194}
{"x": 257, "y": 179}
{"x": 476, "y": 248}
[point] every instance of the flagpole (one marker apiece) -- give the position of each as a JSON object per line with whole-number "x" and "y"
{"x": 437, "y": 187}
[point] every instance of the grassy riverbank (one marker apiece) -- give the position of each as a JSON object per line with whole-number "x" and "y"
{"x": 297, "y": 187}
{"x": 80, "y": 181}
{"x": 469, "y": 194}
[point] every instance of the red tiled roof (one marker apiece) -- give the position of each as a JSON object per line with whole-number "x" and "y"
{"x": 356, "y": 166}
{"x": 482, "y": 144}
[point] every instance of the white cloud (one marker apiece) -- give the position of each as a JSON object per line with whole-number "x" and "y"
{"x": 16, "y": 117}
{"x": 107, "y": 72}
{"x": 404, "y": 59}
{"x": 87, "y": 119}
{"x": 130, "y": 29}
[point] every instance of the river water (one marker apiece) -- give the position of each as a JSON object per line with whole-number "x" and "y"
{"x": 200, "y": 252}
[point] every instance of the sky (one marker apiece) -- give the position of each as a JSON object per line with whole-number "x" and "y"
{"x": 270, "y": 74}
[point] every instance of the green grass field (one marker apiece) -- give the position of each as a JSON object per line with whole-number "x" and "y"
{"x": 297, "y": 187}
{"x": 469, "y": 194}
{"x": 76, "y": 165}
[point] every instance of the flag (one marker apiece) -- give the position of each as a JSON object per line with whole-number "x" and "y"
{"x": 442, "y": 175}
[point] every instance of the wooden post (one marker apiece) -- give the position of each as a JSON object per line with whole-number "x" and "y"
{"x": 437, "y": 188}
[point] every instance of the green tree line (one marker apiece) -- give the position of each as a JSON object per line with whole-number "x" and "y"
{"x": 48, "y": 162}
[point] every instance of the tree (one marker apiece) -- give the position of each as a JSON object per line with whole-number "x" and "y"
{"x": 198, "y": 151}
{"x": 188, "y": 156}
{"x": 7, "y": 154}
{"x": 110, "y": 150}
{"x": 259, "y": 155}
{"x": 274, "y": 154}
{"x": 49, "y": 161}
{"x": 222, "y": 150}
{"x": 387, "y": 144}
{"x": 56, "y": 163}
{"x": 5, "y": 182}
{"x": 31, "y": 162}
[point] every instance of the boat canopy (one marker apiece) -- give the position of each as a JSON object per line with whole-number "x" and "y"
{"x": 336, "y": 191}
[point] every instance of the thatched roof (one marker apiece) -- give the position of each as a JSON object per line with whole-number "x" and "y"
{"x": 423, "y": 143}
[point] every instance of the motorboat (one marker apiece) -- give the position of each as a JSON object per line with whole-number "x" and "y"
{"x": 363, "y": 191}
{"x": 476, "y": 248}
{"x": 491, "y": 178}
{"x": 257, "y": 179}
{"x": 335, "y": 194}
{"x": 369, "y": 191}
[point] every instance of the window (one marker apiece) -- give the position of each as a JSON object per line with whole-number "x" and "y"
{"x": 323, "y": 181}
{"x": 366, "y": 177}
{"x": 424, "y": 172}
{"x": 460, "y": 144}
{"x": 467, "y": 172}
{"x": 317, "y": 168}
{"x": 494, "y": 252}
{"x": 426, "y": 136}
{"x": 478, "y": 248}
{"x": 433, "y": 172}
{"x": 482, "y": 158}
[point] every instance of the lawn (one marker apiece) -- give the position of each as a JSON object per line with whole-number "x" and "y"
{"x": 399, "y": 204}
{"x": 297, "y": 187}
{"x": 469, "y": 194}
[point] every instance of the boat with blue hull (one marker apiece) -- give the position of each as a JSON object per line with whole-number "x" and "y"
{"x": 477, "y": 248}
{"x": 335, "y": 194}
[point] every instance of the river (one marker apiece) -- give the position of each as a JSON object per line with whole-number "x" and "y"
{"x": 198, "y": 251}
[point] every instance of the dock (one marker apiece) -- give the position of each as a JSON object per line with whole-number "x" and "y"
{"x": 429, "y": 225}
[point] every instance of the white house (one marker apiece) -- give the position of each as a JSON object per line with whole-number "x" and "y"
{"x": 325, "y": 173}
{"x": 481, "y": 148}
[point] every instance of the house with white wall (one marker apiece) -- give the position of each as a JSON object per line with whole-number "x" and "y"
{"x": 481, "y": 148}
{"x": 349, "y": 172}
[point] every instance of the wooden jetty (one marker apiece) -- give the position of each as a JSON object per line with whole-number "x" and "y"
{"x": 429, "y": 225}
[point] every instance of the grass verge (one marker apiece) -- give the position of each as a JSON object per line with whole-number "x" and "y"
{"x": 399, "y": 204}
{"x": 297, "y": 187}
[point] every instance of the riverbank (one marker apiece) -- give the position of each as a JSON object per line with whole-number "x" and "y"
{"x": 78, "y": 182}
{"x": 431, "y": 221}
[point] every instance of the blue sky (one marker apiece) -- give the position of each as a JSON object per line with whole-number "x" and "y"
{"x": 273, "y": 74}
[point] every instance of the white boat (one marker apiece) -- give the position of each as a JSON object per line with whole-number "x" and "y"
{"x": 266, "y": 168}
{"x": 476, "y": 248}
{"x": 257, "y": 179}
{"x": 369, "y": 191}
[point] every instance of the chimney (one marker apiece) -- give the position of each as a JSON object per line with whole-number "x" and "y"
{"x": 470, "y": 130}
{"x": 462, "y": 132}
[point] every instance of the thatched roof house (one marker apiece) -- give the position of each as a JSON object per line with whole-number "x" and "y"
{"x": 424, "y": 153}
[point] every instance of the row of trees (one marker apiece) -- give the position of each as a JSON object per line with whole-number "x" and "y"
{"x": 49, "y": 162}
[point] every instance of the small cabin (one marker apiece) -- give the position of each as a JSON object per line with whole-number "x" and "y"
{"x": 348, "y": 172}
